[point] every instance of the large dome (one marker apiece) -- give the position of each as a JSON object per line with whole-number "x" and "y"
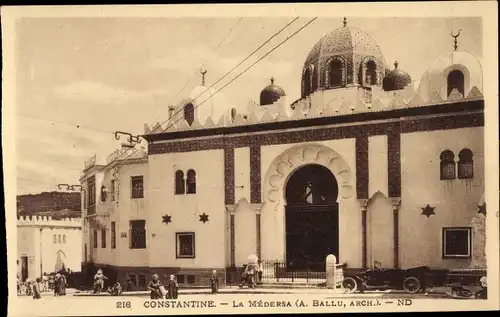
{"x": 340, "y": 58}
{"x": 271, "y": 93}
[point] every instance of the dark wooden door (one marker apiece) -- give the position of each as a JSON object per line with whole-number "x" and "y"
{"x": 24, "y": 268}
{"x": 311, "y": 234}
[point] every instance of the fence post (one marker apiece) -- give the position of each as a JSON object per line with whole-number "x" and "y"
{"x": 331, "y": 277}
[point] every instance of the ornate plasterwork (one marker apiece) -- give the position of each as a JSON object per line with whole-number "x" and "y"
{"x": 292, "y": 159}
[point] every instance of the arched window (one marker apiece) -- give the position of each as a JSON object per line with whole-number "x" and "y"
{"x": 306, "y": 80}
{"x": 233, "y": 114}
{"x": 447, "y": 165}
{"x": 179, "y": 183}
{"x": 64, "y": 238}
{"x": 59, "y": 239}
{"x": 336, "y": 73}
{"x": 465, "y": 164}
{"x": 456, "y": 80}
{"x": 191, "y": 182}
{"x": 189, "y": 113}
{"x": 371, "y": 73}
{"x": 55, "y": 238}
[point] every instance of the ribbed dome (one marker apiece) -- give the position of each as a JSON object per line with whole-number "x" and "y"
{"x": 396, "y": 79}
{"x": 346, "y": 56}
{"x": 342, "y": 39}
{"x": 271, "y": 93}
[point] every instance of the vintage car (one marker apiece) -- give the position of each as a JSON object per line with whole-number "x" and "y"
{"x": 411, "y": 280}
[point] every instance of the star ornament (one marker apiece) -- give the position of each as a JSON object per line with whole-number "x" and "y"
{"x": 167, "y": 219}
{"x": 482, "y": 209}
{"x": 204, "y": 217}
{"x": 428, "y": 211}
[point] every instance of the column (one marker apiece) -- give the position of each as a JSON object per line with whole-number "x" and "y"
{"x": 232, "y": 240}
{"x": 364, "y": 245}
{"x": 396, "y": 203}
{"x": 258, "y": 209}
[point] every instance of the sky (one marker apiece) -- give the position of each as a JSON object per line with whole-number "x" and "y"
{"x": 81, "y": 79}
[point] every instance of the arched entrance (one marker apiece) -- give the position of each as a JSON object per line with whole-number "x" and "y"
{"x": 311, "y": 217}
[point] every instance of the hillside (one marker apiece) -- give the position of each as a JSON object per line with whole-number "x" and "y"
{"x": 56, "y": 204}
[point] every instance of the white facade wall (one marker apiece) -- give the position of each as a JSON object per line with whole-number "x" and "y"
{"x": 36, "y": 241}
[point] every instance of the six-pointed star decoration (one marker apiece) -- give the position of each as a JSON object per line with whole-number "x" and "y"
{"x": 428, "y": 211}
{"x": 204, "y": 217}
{"x": 482, "y": 209}
{"x": 167, "y": 219}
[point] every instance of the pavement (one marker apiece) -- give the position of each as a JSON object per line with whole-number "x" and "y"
{"x": 434, "y": 293}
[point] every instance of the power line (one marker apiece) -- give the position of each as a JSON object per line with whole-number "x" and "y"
{"x": 276, "y": 47}
{"x": 244, "y": 71}
{"x": 245, "y": 59}
{"x": 63, "y": 122}
{"x": 203, "y": 64}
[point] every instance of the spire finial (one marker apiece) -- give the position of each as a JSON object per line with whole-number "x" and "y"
{"x": 203, "y": 72}
{"x": 396, "y": 64}
{"x": 345, "y": 21}
{"x": 272, "y": 80}
{"x": 455, "y": 36}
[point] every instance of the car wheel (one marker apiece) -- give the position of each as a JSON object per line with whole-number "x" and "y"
{"x": 350, "y": 284}
{"x": 411, "y": 285}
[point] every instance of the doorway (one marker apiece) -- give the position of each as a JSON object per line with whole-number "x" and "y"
{"x": 24, "y": 268}
{"x": 311, "y": 218}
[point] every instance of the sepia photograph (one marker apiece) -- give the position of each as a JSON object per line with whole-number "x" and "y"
{"x": 207, "y": 159}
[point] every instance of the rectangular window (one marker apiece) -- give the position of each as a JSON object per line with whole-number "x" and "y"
{"x": 91, "y": 191}
{"x": 55, "y": 238}
{"x": 142, "y": 280}
{"x": 190, "y": 279}
{"x": 457, "y": 242}
{"x": 84, "y": 194}
{"x": 112, "y": 190}
{"x": 113, "y": 235}
{"x": 95, "y": 239}
{"x": 137, "y": 187}
{"x": 137, "y": 234}
{"x": 180, "y": 279}
{"x": 103, "y": 238}
{"x": 185, "y": 245}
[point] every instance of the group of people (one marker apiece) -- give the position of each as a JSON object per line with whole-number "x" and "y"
{"x": 252, "y": 274}
{"x": 48, "y": 282}
{"x": 159, "y": 291}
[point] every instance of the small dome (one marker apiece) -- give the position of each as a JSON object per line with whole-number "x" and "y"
{"x": 271, "y": 93}
{"x": 396, "y": 79}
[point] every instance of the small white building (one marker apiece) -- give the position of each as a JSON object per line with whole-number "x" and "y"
{"x": 45, "y": 245}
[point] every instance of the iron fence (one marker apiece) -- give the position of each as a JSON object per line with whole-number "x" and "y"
{"x": 308, "y": 273}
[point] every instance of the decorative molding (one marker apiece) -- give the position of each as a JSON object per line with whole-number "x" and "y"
{"x": 301, "y": 155}
{"x": 255, "y": 174}
{"x": 229, "y": 178}
{"x": 362, "y": 166}
{"x": 394, "y": 164}
{"x": 428, "y": 211}
{"x": 447, "y": 116}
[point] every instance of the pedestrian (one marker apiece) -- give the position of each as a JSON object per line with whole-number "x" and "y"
{"x": 172, "y": 288}
{"x": 214, "y": 282}
{"x": 260, "y": 270}
{"x": 45, "y": 282}
{"x": 251, "y": 268}
{"x": 243, "y": 277}
{"x": 115, "y": 290}
{"x": 99, "y": 281}
{"x": 36, "y": 288}
{"x": 130, "y": 284}
{"x": 63, "y": 283}
{"x": 57, "y": 285}
{"x": 154, "y": 287}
